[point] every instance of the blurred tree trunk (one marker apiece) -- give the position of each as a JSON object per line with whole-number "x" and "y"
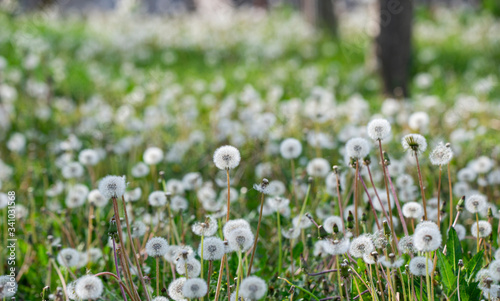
{"x": 320, "y": 13}
{"x": 261, "y": 3}
{"x": 394, "y": 45}
{"x": 190, "y": 5}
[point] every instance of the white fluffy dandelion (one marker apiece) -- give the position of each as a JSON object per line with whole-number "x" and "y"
{"x": 333, "y": 220}
{"x": 361, "y": 245}
{"x": 406, "y": 245}
{"x": 414, "y": 142}
{"x": 89, "y": 287}
{"x": 318, "y": 167}
{"x": 379, "y": 129}
{"x": 413, "y": 210}
{"x": 418, "y": 266}
{"x": 213, "y": 248}
{"x": 475, "y": 203}
{"x": 68, "y": 257}
{"x": 427, "y": 239}
{"x": 494, "y": 270}
{"x": 175, "y": 289}
{"x": 233, "y": 225}
{"x": 8, "y": 286}
{"x": 152, "y": 155}
{"x": 88, "y": 157}
{"x": 156, "y": 247}
{"x": 227, "y": 157}
{"x": 290, "y": 148}
{"x": 253, "y": 288}
{"x": 194, "y": 288}
{"x": 157, "y": 199}
{"x": 441, "y": 154}
{"x": 240, "y": 239}
{"x": 112, "y": 186}
{"x": 96, "y": 198}
{"x": 191, "y": 265}
{"x": 357, "y": 148}
{"x": 480, "y": 229}
{"x": 206, "y": 228}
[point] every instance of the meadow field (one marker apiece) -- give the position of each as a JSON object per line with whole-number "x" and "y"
{"x": 246, "y": 155}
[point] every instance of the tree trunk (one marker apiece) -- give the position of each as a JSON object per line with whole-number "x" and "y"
{"x": 326, "y": 16}
{"x": 321, "y": 14}
{"x": 394, "y": 45}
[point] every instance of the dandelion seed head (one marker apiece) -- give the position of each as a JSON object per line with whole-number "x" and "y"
{"x": 290, "y": 148}
{"x": 157, "y": 199}
{"x": 178, "y": 203}
{"x": 361, "y": 245}
{"x": 194, "y": 288}
{"x": 175, "y": 289}
{"x": 227, "y": 157}
{"x": 97, "y": 199}
{"x": 427, "y": 239}
{"x": 357, "y": 148}
{"x": 318, "y": 167}
{"x": 68, "y": 257}
{"x": 88, "y": 157}
{"x": 206, "y": 228}
{"x": 441, "y": 154}
{"x": 213, "y": 248}
{"x": 379, "y": 129}
{"x": 494, "y": 270}
{"x": 277, "y": 202}
{"x": 253, "y": 288}
{"x": 112, "y": 186}
{"x": 192, "y": 266}
{"x": 475, "y": 203}
{"x": 333, "y": 220}
{"x": 140, "y": 170}
{"x": 234, "y": 224}
{"x": 418, "y": 267}
{"x": 8, "y": 288}
{"x": 460, "y": 229}
{"x": 290, "y": 233}
{"x": 152, "y": 155}
{"x": 480, "y": 229}
{"x": 413, "y": 210}
{"x": 89, "y": 287}
{"x": 414, "y": 142}
{"x": 240, "y": 239}
{"x": 138, "y": 229}
{"x": 156, "y": 247}
{"x": 406, "y": 245}
{"x": 301, "y": 221}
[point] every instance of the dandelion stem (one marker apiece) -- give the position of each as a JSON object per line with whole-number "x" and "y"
{"x": 117, "y": 277}
{"x": 89, "y": 236}
{"x": 427, "y": 279}
{"x": 157, "y": 276}
{"x": 239, "y": 272}
{"x": 398, "y": 205}
{"x": 201, "y": 256}
{"x": 339, "y": 198}
{"x": 257, "y": 234}
{"x": 420, "y": 181}
{"x": 280, "y": 259}
{"x": 450, "y": 192}
{"x": 139, "y": 270}
{"x": 118, "y": 271}
{"x": 439, "y": 198}
{"x": 391, "y": 223}
{"x": 477, "y": 231}
{"x": 356, "y": 197}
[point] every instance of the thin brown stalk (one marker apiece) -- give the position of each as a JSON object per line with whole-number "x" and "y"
{"x": 421, "y": 182}
{"x": 257, "y": 235}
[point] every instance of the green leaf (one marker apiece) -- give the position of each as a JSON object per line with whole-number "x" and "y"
{"x": 446, "y": 270}
{"x": 474, "y": 265}
{"x": 454, "y": 249}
